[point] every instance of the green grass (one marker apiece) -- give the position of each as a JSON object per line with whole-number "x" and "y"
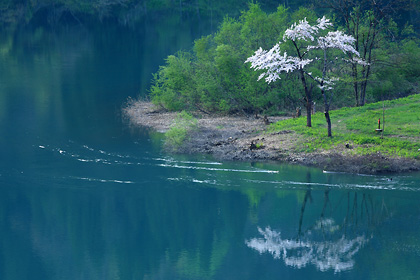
{"x": 259, "y": 145}
{"x": 357, "y": 127}
{"x": 177, "y": 134}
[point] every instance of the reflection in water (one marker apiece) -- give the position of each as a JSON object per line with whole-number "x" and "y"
{"x": 325, "y": 244}
{"x": 84, "y": 196}
{"x": 325, "y": 255}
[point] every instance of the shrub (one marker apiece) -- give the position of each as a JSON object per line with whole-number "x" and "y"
{"x": 183, "y": 124}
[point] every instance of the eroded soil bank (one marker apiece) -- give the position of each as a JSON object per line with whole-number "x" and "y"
{"x": 247, "y": 139}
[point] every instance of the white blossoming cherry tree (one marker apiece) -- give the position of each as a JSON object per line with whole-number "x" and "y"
{"x": 307, "y": 42}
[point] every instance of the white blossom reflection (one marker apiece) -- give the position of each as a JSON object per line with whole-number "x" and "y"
{"x": 325, "y": 255}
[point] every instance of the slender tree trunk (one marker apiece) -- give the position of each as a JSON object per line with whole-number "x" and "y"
{"x": 363, "y": 85}
{"x": 326, "y": 201}
{"x": 369, "y": 46}
{"x": 302, "y": 210}
{"x": 308, "y": 196}
{"x": 363, "y": 93}
{"x": 308, "y": 91}
{"x": 327, "y": 112}
{"x": 355, "y": 72}
{"x": 324, "y": 95}
{"x": 308, "y": 94}
{"x": 308, "y": 109}
{"x": 328, "y": 119}
{"x": 355, "y": 84}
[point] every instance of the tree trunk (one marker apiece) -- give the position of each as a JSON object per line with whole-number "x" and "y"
{"x": 355, "y": 84}
{"x": 363, "y": 84}
{"x": 363, "y": 93}
{"x": 328, "y": 119}
{"x": 302, "y": 209}
{"x": 324, "y": 95}
{"x": 308, "y": 94}
{"x": 308, "y": 110}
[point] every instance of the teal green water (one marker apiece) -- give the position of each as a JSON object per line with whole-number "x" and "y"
{"x": 85, "y": 196}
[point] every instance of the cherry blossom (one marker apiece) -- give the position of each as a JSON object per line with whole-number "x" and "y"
{"x": 336, "y": 254}
{"x": 357, "y": 60}
{"x": 274, "y": 62}
{"x": 336, "y": 40}
{"x": 305, "y": 31}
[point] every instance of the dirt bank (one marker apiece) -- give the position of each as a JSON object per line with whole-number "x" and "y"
{"x": 246, "y": 138}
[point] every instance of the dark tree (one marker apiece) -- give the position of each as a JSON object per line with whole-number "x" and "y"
{"x": 365, "y": 20}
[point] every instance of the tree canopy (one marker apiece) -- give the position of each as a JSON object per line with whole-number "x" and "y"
{"x": 307, "y": 39}
{"x": 212, "y": 77}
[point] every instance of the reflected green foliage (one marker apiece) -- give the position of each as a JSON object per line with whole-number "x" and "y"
{"x": 189, "y": 230}
{"x": 125, "y": 12}
{"x": 82, "y": 196}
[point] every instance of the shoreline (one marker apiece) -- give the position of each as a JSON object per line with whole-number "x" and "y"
{"x": 242, "y": 138}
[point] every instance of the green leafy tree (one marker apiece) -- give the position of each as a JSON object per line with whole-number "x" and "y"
{"x": 366, "y": 21}
{"x": 221, "y": 81}
{"x": 173, "y": 84}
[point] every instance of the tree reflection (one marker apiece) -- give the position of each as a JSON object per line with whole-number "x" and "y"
{"x": 325, "y": 255}
{"x": 326, "y": 244}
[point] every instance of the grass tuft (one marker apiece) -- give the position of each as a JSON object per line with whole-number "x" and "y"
{"x": 183, "y": 124}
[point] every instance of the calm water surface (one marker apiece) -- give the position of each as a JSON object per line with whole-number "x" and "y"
{"x": 85, "y": 196}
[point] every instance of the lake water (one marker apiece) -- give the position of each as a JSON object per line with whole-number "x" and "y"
{"x": 85, "y": 196}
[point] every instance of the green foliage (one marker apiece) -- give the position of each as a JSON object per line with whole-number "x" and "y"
{"x": 396, "y": 73}
{"x": 173, "y": 86}
{"x": 214, "y": 77}
{"x": 261, "y": 30}
{"x": 178, "y": 133}
{"x": 259, "y": 145}
{"x": 302, "y": 13}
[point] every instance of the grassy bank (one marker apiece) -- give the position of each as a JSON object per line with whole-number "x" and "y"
{"x": 356, "y": 127}
{"x": 355, "y": 146}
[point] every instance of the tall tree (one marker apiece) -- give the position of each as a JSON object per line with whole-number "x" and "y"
{"x": 306, "y": 39}
{"x": 364, "y": 20}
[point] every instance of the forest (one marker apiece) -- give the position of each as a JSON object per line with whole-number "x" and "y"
{"x": 212, "y": 77}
